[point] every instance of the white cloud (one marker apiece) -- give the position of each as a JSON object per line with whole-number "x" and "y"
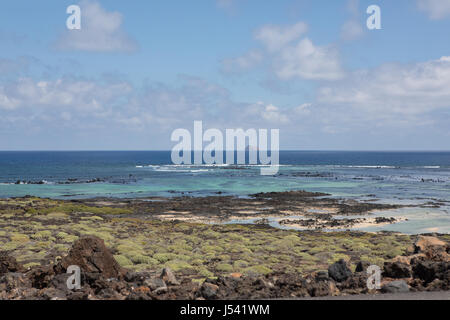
{"x": 307, "y": 61}
{"x": 272, "y": 113}
{"x": 290, "y": 56}
{"x": 363, "y": 103}
{"x": 82, "y": 95}
{"x": 242, "y": 63}
{"x": 275, "y": 37}
{"x": 115, "y": 103}
{"x": 303, "y": 109}
{"x": 259, "y": 114}
{"x": 7, "y": 102}
{"x": 101, "y": 31}
{"x": 436, "y": 9}
{"x": 394, "y": 90}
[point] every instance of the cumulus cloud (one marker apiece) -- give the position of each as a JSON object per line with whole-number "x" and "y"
{"x": 267, "y": 113}
{"x": 81, "y": 95}
{"x": 275, "y": 37}
{"x": 394, "y": 89}
{"x": 145, "y": 116}
{"x": 435, "y": 9}
{"x": 112, "y": 103}
{"x": 295, "y": 56}
{"x": 303, "y": 109}
{"x": 101, "y": 31}
{"x": 307, "y": 61}
{"x": 382, "y": 99}
{"x": 290, "y": 54}
{"x": 103, "y": 105}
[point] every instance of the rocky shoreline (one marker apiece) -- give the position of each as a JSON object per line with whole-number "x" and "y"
{"x": 121, "y": 246}
{"x": 427, "y": 268}
{"x": 317, "y": 210}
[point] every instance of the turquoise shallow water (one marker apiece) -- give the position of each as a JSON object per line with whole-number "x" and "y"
{"x": 390, "y": 177}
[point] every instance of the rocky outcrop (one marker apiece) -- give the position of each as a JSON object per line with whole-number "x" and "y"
{"x": 8, "y": 263}
{"x": 396, "y": 270}
{"x": 339, "y": 271}
{"x": 427, "y": 271}
{"x": 432, "y": 248}
{"x": 362, "y": 266}
{"x": 398, "y": 286}
{"x": 168, "y": 276}
{"x": 427, "y": 268}
{"x": 92, "y": 256}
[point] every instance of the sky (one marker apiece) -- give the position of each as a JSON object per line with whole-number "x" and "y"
{"x": 136, "y": 71}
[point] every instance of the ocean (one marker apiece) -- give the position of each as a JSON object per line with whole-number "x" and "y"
{"x": 390, "y": 177}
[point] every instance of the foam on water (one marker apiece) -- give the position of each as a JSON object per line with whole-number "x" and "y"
{"x": 415, "y": 178}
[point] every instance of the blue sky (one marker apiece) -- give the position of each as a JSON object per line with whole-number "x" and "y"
{"x": 137, "y": 71}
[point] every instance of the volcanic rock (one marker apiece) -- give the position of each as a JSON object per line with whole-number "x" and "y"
{"x": 155, "y": 283}
{"x": 430, "y": 270}
{"x": 92, "y": 256}
{"x": 399, "y": 286}
{"x": 168, "y": 277}
{"x": 433, "y": 248}
{"x": 339, "y": 271}
{"x": 8, "y": 263}
{"x": 362, "y": 266}
{"x": 208, "y": 291}
{"x": 396, "y": 270}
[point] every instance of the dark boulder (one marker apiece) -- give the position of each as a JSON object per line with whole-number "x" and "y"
{"x": 430, "y": 270}
{"x": 322, "y": 276}
{"x": 362, "y": 266}
{"x": 41, "y": 277}
{"x": 137, "y": 278}
{"x": 92, "y": 256}
{"x": 8, "y": 263}
{"x": 396, "y": 270}
{"x": 399, "y": 286}
{"x": 52, "y": 294}
{"x": 438, "y": 285}
{"x": 155, "y": 283}
{"x": 433, "y": 248}
{"x": 321, "y": 288}
{"x": 357, "y": 283}
{"x": 168, "y": 277}
{"x": 208, "y": 291}
{"x": 339, "y": 271}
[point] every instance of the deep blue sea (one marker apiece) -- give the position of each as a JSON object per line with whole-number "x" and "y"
{"x": 393, "y": 177}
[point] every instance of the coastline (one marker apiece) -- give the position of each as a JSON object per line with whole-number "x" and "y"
{"x": 318, "y": 211}
{"x": 144, "y": 236}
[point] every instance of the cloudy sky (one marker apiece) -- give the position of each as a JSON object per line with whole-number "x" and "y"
{"x": 311, "y": 68}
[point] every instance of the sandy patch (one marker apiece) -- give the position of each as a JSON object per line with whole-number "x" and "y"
{"x": 177, "y": 212}
{"x": 358, "y": 223}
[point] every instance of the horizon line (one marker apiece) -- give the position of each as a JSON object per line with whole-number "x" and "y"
{"x": 283, "y": 150}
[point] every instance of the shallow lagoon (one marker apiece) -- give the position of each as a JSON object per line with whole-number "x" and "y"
{"x": 401, "y": 178}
